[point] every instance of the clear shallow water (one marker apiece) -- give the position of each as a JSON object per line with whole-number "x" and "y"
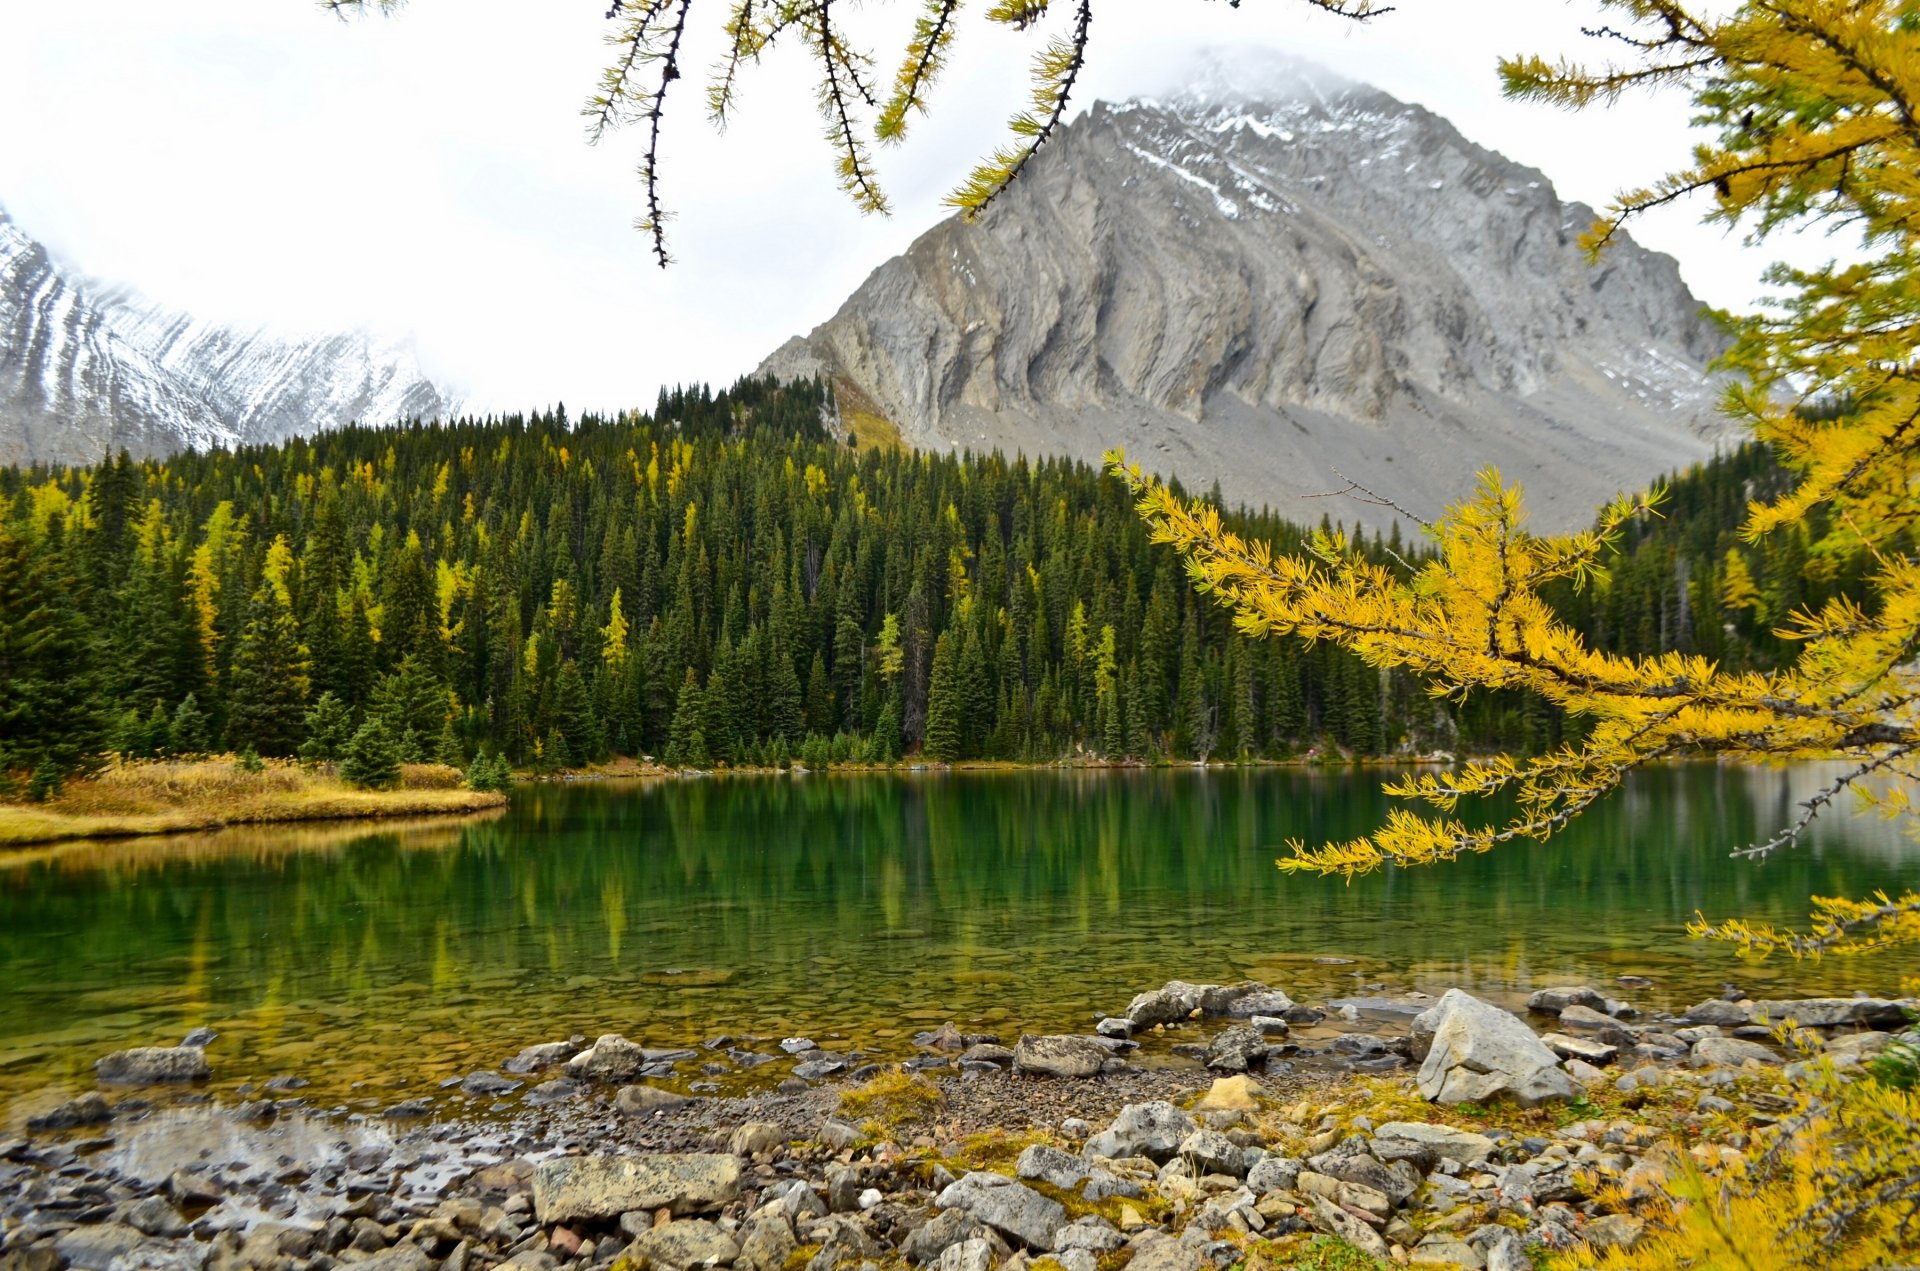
{"x": 376, "y": 960}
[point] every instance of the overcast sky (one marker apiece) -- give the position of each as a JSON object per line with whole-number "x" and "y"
{"x": 426, "y": 175}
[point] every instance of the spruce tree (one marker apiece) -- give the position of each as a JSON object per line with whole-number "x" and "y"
{"x": 267, "y": 689}
{"x": 329, "y": 729}
{"x": 686, "y": 740}
{"x": 372, "y": 758}
{"x": 187, "y": 730}
{"x": 50, "y": 706}
{"x": 945, "y": 732}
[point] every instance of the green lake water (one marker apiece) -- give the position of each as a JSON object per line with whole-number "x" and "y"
{"x": 376, "y": 960}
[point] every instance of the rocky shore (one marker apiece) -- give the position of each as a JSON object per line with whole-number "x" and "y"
{"x": 1410, "y": 1130}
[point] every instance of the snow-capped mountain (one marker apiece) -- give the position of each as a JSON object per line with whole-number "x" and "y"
{"x": 85, "y": 368}
{"x": 1271, "y": 278}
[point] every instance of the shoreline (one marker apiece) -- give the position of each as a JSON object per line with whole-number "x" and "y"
{"x": 1249, "y": 1151}
{"x": 136, "y": 800}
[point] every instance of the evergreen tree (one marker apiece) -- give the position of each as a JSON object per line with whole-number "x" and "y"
{"x": 187, "y": 731}
{"x": 372, "y": 757}
{"x": 328, "y": 725}
{"x": 267, "y": 689}
{"x": 945, "y": 732}
{"x": 50, "y": 707}
{"x": 686, "y": 741}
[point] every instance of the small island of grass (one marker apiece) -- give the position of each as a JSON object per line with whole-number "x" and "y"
{"x": 132, "y": 798}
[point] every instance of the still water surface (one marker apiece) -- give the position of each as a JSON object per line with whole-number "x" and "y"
{"x": 376, "y": 960}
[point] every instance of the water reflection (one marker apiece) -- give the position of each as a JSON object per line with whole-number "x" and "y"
{"x": 378, "y": 961}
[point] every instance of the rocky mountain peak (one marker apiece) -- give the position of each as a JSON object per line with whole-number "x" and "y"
{"x": 86, "y": 367}
{"x": 1267, "y": 279}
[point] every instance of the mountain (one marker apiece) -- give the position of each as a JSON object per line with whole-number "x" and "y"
{"x": 1271, "y": 278}
{"x": 86, "y": 367}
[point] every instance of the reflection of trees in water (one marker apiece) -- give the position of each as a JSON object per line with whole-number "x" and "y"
{"x": 1079, "y": 885}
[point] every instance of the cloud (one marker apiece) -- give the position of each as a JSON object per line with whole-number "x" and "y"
{"x": 256, "y": 160}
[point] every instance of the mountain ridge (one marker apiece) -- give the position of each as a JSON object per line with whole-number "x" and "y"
{"x": 1280, "y": 290}
{"x": 88, "y": 367}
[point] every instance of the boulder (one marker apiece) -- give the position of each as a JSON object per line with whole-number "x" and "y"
{"x": 1584, "y": 1019}
{"x": 1271, "y": 1002}
{"x": 689, "y": 1242}
{"x": 93, "y": 1248}
{"x": 1231, "y": 1094}
{"x": 754, "y": 1137}
{"x": 1153, "y": 1130}
{"x": 1092, "y": 1233}
{"x": 1832, "y": 1012}
{"x": 601, "y": 1188}
{"x": 1013, "y": 1209}
{"x": 153, "y": 1065}
{"x": 1059, "y": 1056}
{"x": 1156, "y": 1251}
{"x": 766, "y": 1242}
{"x": 1237, "y": 1049}
{"x": 610, "y": 1058}
{"x": 1052, "y": 1166}
{"x": 968, "y": 1255}
{"x": 1731, "y": 1052}
{"x": 1273, "y": 1174}
{"x": 1478, "y": 1052}
{"x": 1719, "y": 1011}
{"x": 1211, "y": 1152}
{"x": 940, "y": 1233}
{"x": 1553, "y": 1001}
{"x": 1325, "y": 1216}
{"x": 1463, "y": 1146}
{"x": 1170, "y": 1004}
{"x": 1586, "y": 1049}
{"x": 639, "y": 1101}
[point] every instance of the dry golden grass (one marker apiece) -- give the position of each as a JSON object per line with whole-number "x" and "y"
{"x": 163, "y": 798}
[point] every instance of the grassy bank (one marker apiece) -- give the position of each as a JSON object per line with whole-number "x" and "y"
{"x": 164, "y": 798}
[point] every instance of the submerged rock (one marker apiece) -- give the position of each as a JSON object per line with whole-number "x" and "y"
{"x": 153, "y": 1065}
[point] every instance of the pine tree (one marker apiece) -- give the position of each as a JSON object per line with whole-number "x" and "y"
{"x": 328, "y": 725}
{"x": 686, "y": 742}
{"x": 945, "y": 731}
{"x": 50, "y": 710}
{"x": 267, "y": 688}
{"x": 372, "y": 759}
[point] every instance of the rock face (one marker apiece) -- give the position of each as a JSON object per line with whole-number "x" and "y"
{"x": 85, "y": 367}
{"x": 1273, "y": 275}
{"x": 1478, "y": 1052}
{"x": 601, "y": 1188}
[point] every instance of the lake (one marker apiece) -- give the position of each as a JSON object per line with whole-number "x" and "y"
{"x": 376, "y": 960}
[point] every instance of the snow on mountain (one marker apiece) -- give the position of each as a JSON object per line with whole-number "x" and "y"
{"x": 85, "y": 368}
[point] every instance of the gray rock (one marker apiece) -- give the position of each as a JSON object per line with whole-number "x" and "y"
{"x": 766, "y": 1242}
{"x": 1553, "y": 1001}
{"x": 819, "y": 1066}
{"x": 94, "y": 1248}
{"x": 153, "y": 1216}
{"x": 541, "y": 1057}
{"x": 1052, "y": 1166}
{"x": 1832, "y": 1012}
{"x": 987, "y": 1053}
{"x": 1729, "y": 1051}
{"x": 1447, "y": 1251}
{"x": 610, "y": 1058}
{"x": 1016, "y": 1211}
{"x": 1507, "y": 1253}
{"x": 1582, "y": 1019}
{"x": 601, "y": 1188}
{"x": 1328, "y": 1217}
{"x": 1463, "y": 1146}
{"x": 164, "y": 1255}
{"x": 1211, "y": 1152}
{"x": 153, "y": 1065}
{"x": 1269, "y": 1002}
{"x": 1273, "y": 1174}
{"x": 483, "y": 1084}
{"x": 968, "y": 1255}
{"x": 1156, "y": 1251}
{"x": 88, "y": 1109}
{"x": 644, "y": 1100}
{"x": 1153, "y": 1130}
{"x": 940, "y": 1233}
{"x": 1104, "y": 1185}
{"x": 1092, "y": 1233}
{"x": 688, "y": 1242}
{"x": 1237, "y": 1049}
{"x": 1615, "y": 1231}
{"x": 1586, "y": 1049}
{"x": 1114, "y": 1026}
{"x": 1111, "y": 301}
{"x": 548, "y": 1092}
{"x": 1479, "y": 1052}
{"x": 838, "y": 1135}
{"x": 1717, "y": 1011}
{"x": 842, "y": 1241}
{"x": 1172, "y": 1003}
{"x": 754, "y": 1137}
{"x": 1059, "y": 1056}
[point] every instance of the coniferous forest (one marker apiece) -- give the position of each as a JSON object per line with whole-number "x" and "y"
{"x": 722, "y": 582}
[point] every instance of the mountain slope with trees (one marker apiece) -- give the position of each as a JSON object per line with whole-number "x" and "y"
{"x": 716, "y": 582}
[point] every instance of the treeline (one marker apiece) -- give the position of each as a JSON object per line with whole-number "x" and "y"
{"x": 717, "y": 582}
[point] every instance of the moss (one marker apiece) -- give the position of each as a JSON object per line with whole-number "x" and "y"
{"x": 799, "y": 1258}
{"x": 890, "y": 1101}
